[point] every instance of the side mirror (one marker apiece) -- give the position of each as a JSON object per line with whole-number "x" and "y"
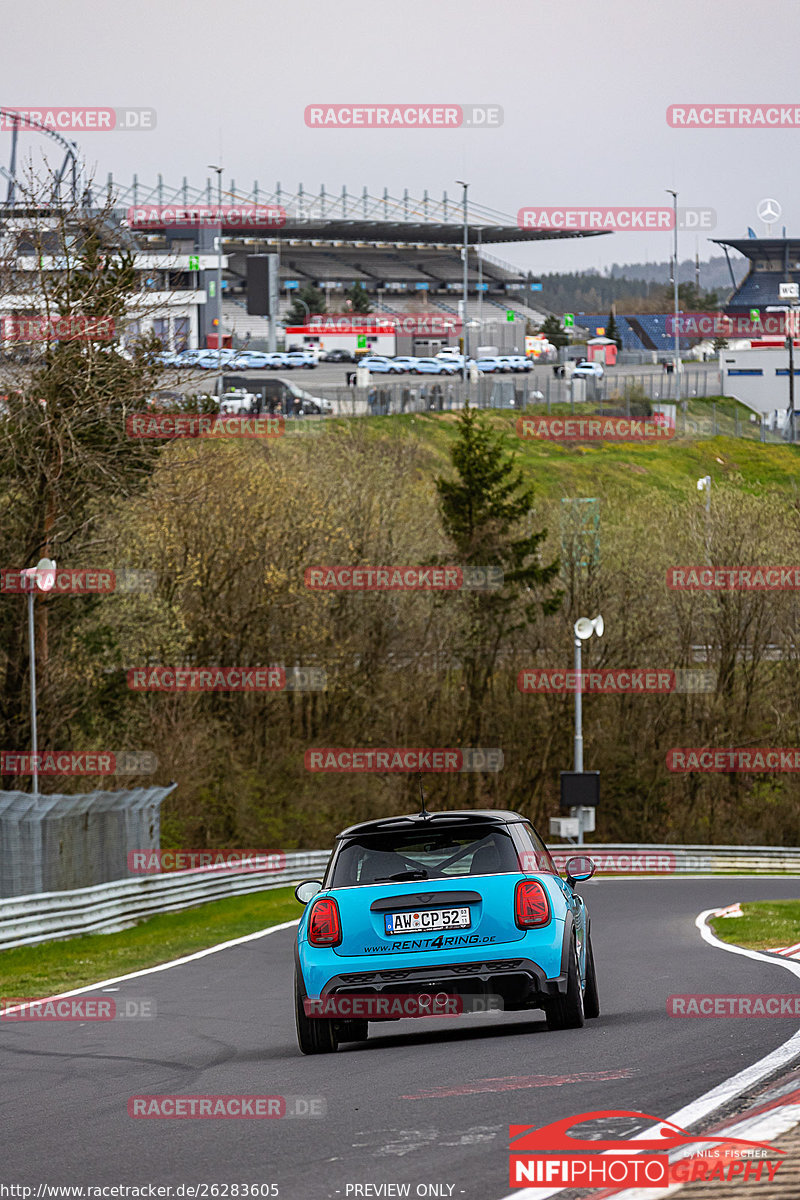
{"x": 579, "y": 869}
{"x": 307, "y": 890}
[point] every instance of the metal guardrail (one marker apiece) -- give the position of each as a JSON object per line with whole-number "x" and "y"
{"x": 107, "y": 907}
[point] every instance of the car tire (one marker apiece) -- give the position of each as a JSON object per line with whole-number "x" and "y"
{"x": 353, "y": 1031}
{"x": 566, "y": 1011}
{"x": 591, "y": 1000}
{"x": 315, "y": 1035}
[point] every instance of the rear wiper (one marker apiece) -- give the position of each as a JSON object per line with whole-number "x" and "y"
{"x": 418, "y": 874}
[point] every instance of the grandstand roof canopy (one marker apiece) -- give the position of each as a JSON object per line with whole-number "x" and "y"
{"x": 756, "y": 247}
{"x": 410, "y": 232}
{"x": 347, "y": 216}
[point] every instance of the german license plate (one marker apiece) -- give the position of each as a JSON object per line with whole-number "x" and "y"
{"x": 428, "y": 920}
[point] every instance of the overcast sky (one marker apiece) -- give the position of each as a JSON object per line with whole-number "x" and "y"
{"x": 584, "y": 86}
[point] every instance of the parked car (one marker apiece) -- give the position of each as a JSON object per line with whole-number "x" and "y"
{"x": 407, "y": 362}
{"x": 380, "y": 366}
{"x": 588, "y": 370}
{"x": 187, "y": 358}
{"x": 235, "y": 403}
{"x": 514, "y": 362}
{"x": 300, "y": 358}
{"x": 465, "y": 903}
{"x": 487, "y": 366}
{"x": 433, "y": 366}
{"x": 258, "y": 360}
{"x": 335, "y": 356}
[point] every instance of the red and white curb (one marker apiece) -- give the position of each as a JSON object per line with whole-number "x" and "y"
{"x": 774, "y": 1114}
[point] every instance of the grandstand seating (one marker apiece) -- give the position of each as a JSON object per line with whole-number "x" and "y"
{"x": 757, "y": 290}
{"x": 642, "y": 331}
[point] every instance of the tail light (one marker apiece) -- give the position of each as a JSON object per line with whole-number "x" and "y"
{"x": 324, "y": 926}
{"x": 531, "y": 906}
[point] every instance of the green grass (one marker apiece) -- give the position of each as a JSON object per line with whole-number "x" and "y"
{"x": 765, "y": 925}
{"x": 53, "y": 967}
{"x": 624, "y": 468}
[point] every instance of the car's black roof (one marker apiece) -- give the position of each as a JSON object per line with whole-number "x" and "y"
{"x": 410, "y": 820}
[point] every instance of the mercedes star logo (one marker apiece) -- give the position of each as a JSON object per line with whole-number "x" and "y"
{"x": 768, "y": 211}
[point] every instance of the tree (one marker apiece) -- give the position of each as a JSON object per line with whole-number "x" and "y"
{"x": 310, "y": 296}
{"x": 482, "y": 510}
{"x": 554, "y": 332}
{"x": 358, "y": 300}
{"x": 692, "y": 298}
{"x": 612, "y": 330}
{"x": 65, "y": 456}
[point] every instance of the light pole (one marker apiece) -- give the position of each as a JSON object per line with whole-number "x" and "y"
{"x": 480, "y": 289}
{"x": 791, "y": 313}
{"x": 219, "y": 270}
{"x": 43, "y": 577}
{"x": 676, "y": 351}
{"x": 583, "y": 628}
{"x": 465, "y": 285}
{"x": 297, "y": 300}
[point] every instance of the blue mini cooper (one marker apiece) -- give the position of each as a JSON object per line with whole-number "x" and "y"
{"x": 443, "y": 904}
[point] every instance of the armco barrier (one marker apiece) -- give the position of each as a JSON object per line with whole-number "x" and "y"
{"x": 27, "y": 920}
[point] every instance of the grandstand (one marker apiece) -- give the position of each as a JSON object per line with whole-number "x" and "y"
{"x": 639, "y": 331}
{"x": 405, "y": 251}
{"x": 772, "y": 261}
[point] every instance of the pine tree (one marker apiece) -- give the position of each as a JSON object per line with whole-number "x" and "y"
{"x": 612, "y": 330}
{"x": 359, "y": 300}
{"x": 311, "y": 296}
{"x": 482, "y": 510}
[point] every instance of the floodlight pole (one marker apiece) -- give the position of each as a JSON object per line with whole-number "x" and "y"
{"x": 789, "y": 312}
{"x": 219, "y": 270}
{"x": 790, "y": 344}
{"x": 578, "y": 755}
{"x": 32, "y": 656}
{"x": 676, "y": 351}
{"x": 44, "y": 581}
{"x": 465, "y": 283}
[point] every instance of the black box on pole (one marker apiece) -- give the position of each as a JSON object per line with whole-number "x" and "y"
{"x": 580, "y": 789}
{"x": 258, "y": 285}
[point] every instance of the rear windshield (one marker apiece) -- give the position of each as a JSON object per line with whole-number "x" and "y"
{"x": 424, "y": 854}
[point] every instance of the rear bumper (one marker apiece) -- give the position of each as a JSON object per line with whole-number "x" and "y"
{"x": 520, "y": 982}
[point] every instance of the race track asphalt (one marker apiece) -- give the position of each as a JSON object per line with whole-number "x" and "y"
{"x": 421, "y": 1103}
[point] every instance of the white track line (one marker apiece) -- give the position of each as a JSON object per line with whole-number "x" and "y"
{"x": 175, "y": 962}
{"x": 719, "y": 1096}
